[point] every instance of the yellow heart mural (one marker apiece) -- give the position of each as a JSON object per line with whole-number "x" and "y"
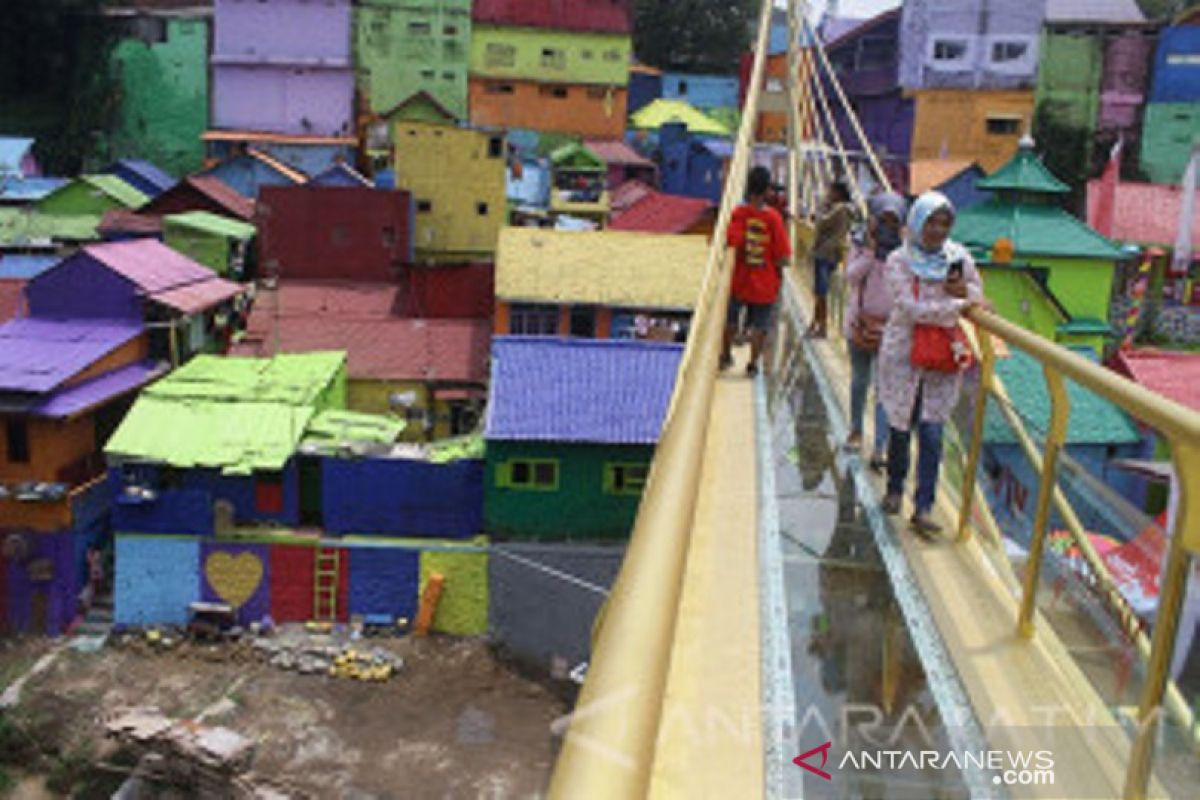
{"x": 234, "y": 578}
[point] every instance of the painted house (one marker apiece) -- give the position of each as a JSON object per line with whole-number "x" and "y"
{"x": 66, "y": 385}
{"x": 224, "y": 245}
{"x": 970, "y": 67}
{"x": 624, "y": 163}
{"x": 18, "y": 191}
{"x": 772, "y": 100}
{"x": 431, "y": 372}
{"x": 1082, "y": 263}
{"x": 658, "y": 212}
{"x": 160, "y": 61}
{"x": 596, "y": 284}
{"x": 304, "y": 154}
{"x": 147, "y": 178}
{"x": 141, "y": 283}
{"x": 341, "y": 175}
{"x": 690, "y": 165}
{"x": 404, "y": 47}
{"x": 251, "y": 171}
{"x": 201, "y": 193}
{"x": 579, "y": 180}
{"x": 456, "y": 178}
{"x": 1172, "y": 117}
{"x": 1095, "y": 60}
{"x": 91, "y": 196}
{"x": 705, "y": 92}
{"x": 955, "y": 178}
{"x": 676, "y": 112}
{"x": 527, "y": 187}
{"x": 645, "y": 86}
{"x": 571, "y": 429}
{"x": 283, "y": 66}
{"x": 866, "y": 60}
{"x": 556, "y": 65}
{"x": 335, "y": 233}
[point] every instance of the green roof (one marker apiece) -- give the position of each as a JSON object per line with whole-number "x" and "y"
{"x": 24, "y": 226}
{"x": 576, "y": 156}
{"x": 207, "y": 222}
{"x": 661, "y": 112}
{"x": 117, "y": 189}
{"x": 234, "y": 414}
{"x": 1034, "y": 230}
{"x": 1086, "y": 326}
{"x": 1024, "y": 173}
{"x": 349, "y": 426}
{"x": 470, "y": 446}
{"x": 1093, "y": 420}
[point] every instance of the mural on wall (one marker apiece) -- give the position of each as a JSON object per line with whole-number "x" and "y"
{"x": 237, "y": 575}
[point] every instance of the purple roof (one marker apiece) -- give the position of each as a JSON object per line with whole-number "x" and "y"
{"x": 37, "y": 355}
{"x": 580, "y": 390}
{"x": 97, "y": 391}
{"x": 149, "y": 264}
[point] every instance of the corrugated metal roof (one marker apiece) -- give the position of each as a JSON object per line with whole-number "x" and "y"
{"x": 1033, "y": 230}
{"x": 1110, "y": 11}
{"x": 211, "y": 223}
{"x": 81, "y": 397}
{"x": 149, "y": 264}
{"x": 122, "y": 220}
{"x": 223, "y": 194}
{"x": 24, "y": 267}
{"x": 661, "y": 112}
{"x": 13, "y": 150}
{"x": 117, "y": 189}
{"x": 1024, "y": 173}
{"x": 21, "y": 226}
{"x": 580, "y": 390}
{"x": 1147, "y": 213}
{"x": 196, "y": 297}
{"x": 611, "y": 16}
{"x": 615, "y": 152}
{"x": 662, "y": 213}
{"x": 28, "y": 190}
{"x": 36, "y": 355}
{"x": 613, "y": 268}
{"x": 148, "y": 172}
{"x": 1093, "y": 419}
{"x": 1174, "y": 375}
{"x": 293, "y": 379}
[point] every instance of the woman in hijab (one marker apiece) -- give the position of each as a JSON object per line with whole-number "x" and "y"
{"x": 932, "y": 281}
{"x": 867, "y": 311}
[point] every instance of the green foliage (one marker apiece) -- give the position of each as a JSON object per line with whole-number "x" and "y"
{"x": 1162, "y": 9}
{"x": 1065, "y": 150}
{"x": 693, "y": 35}
{"x": 54, "y": 81}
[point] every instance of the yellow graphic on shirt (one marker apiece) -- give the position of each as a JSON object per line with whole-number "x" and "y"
{"x": 758, "y": 237}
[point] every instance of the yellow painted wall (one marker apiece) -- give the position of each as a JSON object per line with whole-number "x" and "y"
{"x": 953, "y": 123}
{"x": 460, "y": 177}
{"x": 371, "y": 397}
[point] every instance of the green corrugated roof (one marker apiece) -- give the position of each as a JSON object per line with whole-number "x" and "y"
{"x": 457, "y": 449}
{"x": 211, "y": 223}
{"x": 1086, "y": 326}
{"x": 661, "y": 111}
{"x": 1024, "y": 173}
{"x": 1034, "y": 230}
{"x": 576, "y": 156}
{"x": 336, "y": 425}
{"x": 22, "y": 226}
{"x": 290, "y": 378}
{"x": 117, "y": 189}
{"x": 1093, "y": 419}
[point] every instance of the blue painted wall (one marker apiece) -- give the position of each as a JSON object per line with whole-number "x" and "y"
{"x": 384, "y": 582}
{"x": 644, "y": 90}
{"x": 1177, "y": 82}
{"x": 248, "y": 175}
{"x": 702, "y": 91}
{"x": 399, "y": 497}
{"x": 962, "y": 189}
{"x": 533, "y": 187}
{"x": 156, "y": 579}
{"x": 687, "y": 167}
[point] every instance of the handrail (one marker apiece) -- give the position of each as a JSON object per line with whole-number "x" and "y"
{"x": 610, "y": 746}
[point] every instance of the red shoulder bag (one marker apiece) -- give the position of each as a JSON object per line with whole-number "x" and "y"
{"x": 938, "y": 348}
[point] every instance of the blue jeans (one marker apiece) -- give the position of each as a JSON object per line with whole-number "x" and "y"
{"x": 929, "y": 458}
{"x": 862, "y": 374}
{"x": 823, "y": 270}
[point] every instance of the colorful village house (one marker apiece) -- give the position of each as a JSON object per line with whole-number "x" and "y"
{"x": 1082, "y": 264}
{"x": 160, "y": 59}
{"x": 185, "y": 306}
{"x": 214, "y": 472}
{"x": 1092, "y": 80}
{"x": 657, "y": 212}
{"x": 705, "y": 92}
{"x": 579, "y": 178}
{"x": 571, "y": 430}
{"x": 457, "y": 179}
{"x": 379, "y": 144}
{"x": 955, "y": 178}
{"x": 224, "y": 245}
{"x": 90, "y": 196}
{"x": 1172, "y": 117}
{"x": 429, "y": 373}
{"x": 555, "y": 65}
{"x": 201, "y": 193}
{"x": 866, "y": 60}
{"x": 971, "y": 73}
{"x": 772, "y": 101}
{"x": 404, "y": 47}
{"x": 527, "y": 185}
{"x": 251, "y": 170}
{"x": 341, "y": 175}
{"x": 147, "y": 178}
{"x": 65, "y": 386}
{"x": 1174, "y": 375}
{"x": 691, "y": 166}
{"x": 596, "y": 284}
{"x": 645, "y": 86}
{"x": 624, "y": 163}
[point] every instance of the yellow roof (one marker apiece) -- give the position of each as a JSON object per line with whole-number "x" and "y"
{"x": 612, "y": 268}
{"x": 661, "y": 111}
{"x": 929, "y": 173}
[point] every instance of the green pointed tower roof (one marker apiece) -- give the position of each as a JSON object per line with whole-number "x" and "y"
{"x": 1024, "y": 173}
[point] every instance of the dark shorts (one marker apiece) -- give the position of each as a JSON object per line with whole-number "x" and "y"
{"x": 758, "y": 315}
{"x": 822, "y": 271}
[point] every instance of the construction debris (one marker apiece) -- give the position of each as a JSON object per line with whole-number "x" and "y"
{"x": 329, "y": 659}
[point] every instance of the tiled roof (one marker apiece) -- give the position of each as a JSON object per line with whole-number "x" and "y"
{"x": 609, "y": 16}
{"x": 613, "y": 268}
{"x": 82, "y": 396}
{"x": 149, "y": 264}
{"x": 662, "y": 213}
{"x": 617, "y": 152}
{"x": 660, "y": 112}
{"x": 1147, "y": 213}
{"x": 628, "y": 194}
{"x": 930, "y": 173}
{"x": 1033, "y": 230}
{"x": 1110, "y": 11}
{"x": 1093, "y": 419}
{"x": 37, "y": 355}
{"x": 1171, "y": 374}
{"x": 580, "y": 390}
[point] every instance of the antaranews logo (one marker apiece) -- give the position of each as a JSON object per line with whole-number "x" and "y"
{"x": 1008, "y": 767}
{"x": 802, "y": 760}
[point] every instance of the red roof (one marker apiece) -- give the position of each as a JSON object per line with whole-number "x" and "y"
{"x": 604, "y": 16}
{"x": 11, "y": 299}
{"x": 1174, "y": 375}
{"x": 663, "y": 213}
{"x": 1147, "y": 213}
{"x": 628, "y": 194}
{"x": 357, "y": 318}
{"x": 211, "y": 190}
{"x": 617, "y": 152}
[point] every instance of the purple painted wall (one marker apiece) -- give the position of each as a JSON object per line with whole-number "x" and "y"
{"x": 1123, "y": 83}
{"x": 300, "y": 101}
{"x": 282, "y": 31}
{"x": 81, "y": 288}
{"x": 42, "y": 586}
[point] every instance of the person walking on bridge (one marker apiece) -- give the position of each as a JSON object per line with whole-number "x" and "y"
{"x": 831, "y": 239}
{"x": 932, "y": 281}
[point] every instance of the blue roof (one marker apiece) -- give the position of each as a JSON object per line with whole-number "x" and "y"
{"x": 12, "y": 151}
{"x": 341, "y": 174}
{"x": 151, "y": 176}
{"x": 28, "y": 190}
{"x": 596, "y": 391}
{"x": 25, "y": 267}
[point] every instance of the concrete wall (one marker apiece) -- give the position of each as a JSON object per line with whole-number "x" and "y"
{"x": 953, "y": 124}
{"x": 283, "y": 99}
{"x": 540, "y": 616}
{"x": 282, "y": 30}
{"x": 155, "y": 579}
{"x": 596, "y": 112}
{"x": 549, "y": 55}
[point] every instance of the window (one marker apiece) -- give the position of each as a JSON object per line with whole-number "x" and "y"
{"x": 683, "y": 88}
{"x": 1003, "y": 52}
{"x": 557, "y": 92}
{"x": 419, "y": 29}
{"x": 629, "y": 479}
{"x": 1003, "y": 126}
{"x": 388, "y": 237}
{"x": 499, "y": 55}
{"x": 448, "y": 76}
{"x": 498, "y": 88}
{"x": 1184, "y": 59}
{"x": 528, "y": 319}
{"x": 268, "y": 493}
{"x": 612, "y": 55}
{"x": 428, "y": 74}
{"x": 450, "y": 30}
{"x": 16, "y": 434}
{"x": 495, "y": 147}
{"x": 597, "y": 93}
{"x": 949, "y": 50}
{"x": 587, "y": 55}
{"x": 424, "y": 206}
{"x": 553, "y": 57}
{"x": 536, "y": 475}
{"x": 583, "y": 322}
{"x": 481, "y": 209}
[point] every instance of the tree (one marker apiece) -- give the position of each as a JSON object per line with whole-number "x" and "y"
{"x": 693, "y": 35}
{"x": 1161, "y": 9}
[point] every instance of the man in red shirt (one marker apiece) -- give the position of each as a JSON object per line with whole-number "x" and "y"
{"x": 761, "y": 240}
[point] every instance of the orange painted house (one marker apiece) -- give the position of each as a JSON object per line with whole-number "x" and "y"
{"x": 583, "y": 109}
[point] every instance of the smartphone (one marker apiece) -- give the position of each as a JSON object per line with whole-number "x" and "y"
{"x": 955, "y": 272}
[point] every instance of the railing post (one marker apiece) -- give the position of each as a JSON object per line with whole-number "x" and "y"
{"x": 1060, "y": 409}
{"x": 987, "y": 380}
{"x": 1185, "y": 540}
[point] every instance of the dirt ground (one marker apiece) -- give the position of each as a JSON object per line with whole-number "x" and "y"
{"x": 454, "y": 723}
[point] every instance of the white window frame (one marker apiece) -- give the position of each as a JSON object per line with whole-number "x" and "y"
{"x": 1025, "y": 65}
{"x": 964, "y": 63}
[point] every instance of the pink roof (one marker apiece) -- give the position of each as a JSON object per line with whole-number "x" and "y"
{"x": 149, "y": 264}
{"x": 199, "y": 296}
{"x": 328, "y": 298}
{"x": 1147, "y": 213}
{"x": 1174, "y": 375}
{"x": 662, "y": 213}
{"x": 617, "y": 152}
{"x": 628, "y": 194}
{"x": 11, "y": 299}
{"x": 606, "y": 16}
